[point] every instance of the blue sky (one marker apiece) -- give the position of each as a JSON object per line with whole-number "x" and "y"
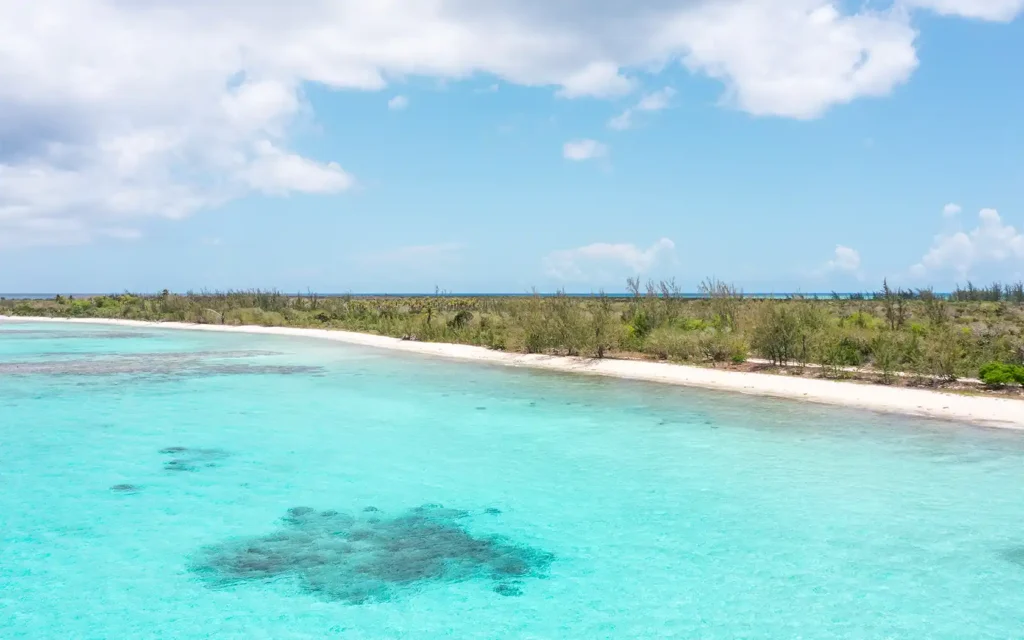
{"x": 785, "y": 145}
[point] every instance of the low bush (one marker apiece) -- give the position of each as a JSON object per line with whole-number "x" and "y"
{"x": 885, "y": 354}
{"x": 723, "y": 346}
{"x": 943, "y": 355}
{"x": 861, "y": 320}
{"x": 672, "y": 344}
{"x": 691, "y": 324}
{"x": 1000, "y": 374}
{"x": 777, "y": 334}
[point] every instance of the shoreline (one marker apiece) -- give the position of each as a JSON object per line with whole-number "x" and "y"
{"x": 1002, "y": 413}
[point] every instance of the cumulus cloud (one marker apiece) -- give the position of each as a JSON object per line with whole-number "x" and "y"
{"x": 579, "y": 150}
{"x": 839, "y": 59}
{"x": 112, "y": 110}
{"x": 585, "y": 262}
{"x": 598, "y": 80}
{"x": 951, "y": 209}
{"x": 992, "y": 241}
{"x": 845, "y": 259}
{"x": 276, "y": 172}
{"x": 996, "y": 10}
{"x": 398, "y": 103}
{"x": 656, "y": 101}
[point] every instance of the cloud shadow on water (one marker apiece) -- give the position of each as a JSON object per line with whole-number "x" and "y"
{"x": 371, "y": 557}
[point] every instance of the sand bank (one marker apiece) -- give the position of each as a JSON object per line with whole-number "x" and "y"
{"x": 979, "y": 410}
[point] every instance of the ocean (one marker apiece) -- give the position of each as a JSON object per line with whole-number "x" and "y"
{"x": 175, "y": 484}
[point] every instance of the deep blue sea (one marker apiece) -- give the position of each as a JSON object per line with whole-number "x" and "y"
{"x": 176, "y": 484}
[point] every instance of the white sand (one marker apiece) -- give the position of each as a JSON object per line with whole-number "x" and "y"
{"x": 979, "y": 410}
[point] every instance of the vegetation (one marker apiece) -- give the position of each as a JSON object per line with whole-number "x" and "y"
{"x": 1000, "y": 374}
{"x": 890, "y": 336}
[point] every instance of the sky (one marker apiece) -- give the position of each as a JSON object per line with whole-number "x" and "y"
{"x": 505, "y": 145}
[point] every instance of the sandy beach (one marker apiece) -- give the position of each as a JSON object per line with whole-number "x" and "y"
{"x": 978, "y": 410}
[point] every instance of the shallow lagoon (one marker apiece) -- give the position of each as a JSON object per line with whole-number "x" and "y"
{"x": 191, "y": 485}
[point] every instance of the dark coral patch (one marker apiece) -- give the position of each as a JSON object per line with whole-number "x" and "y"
{"x": 186, "y": 459}
{"x": 1014, "y": 555}
{"x": 160, "y": 365}
{"x": 338, "y": 557}
{"x": 506, "y": 589}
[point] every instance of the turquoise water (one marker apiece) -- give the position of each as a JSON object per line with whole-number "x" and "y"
{"x": 173, "y": 484}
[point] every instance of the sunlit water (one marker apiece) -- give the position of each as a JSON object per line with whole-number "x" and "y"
{"x": 173, "y": 484}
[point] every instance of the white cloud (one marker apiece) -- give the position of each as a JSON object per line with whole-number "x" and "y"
{"x": 951, "y": 209}
{"x": 656, "y": 101}
{"x": 996, "y": 10}
{"x": 839, "y": 57}
{"x": 121, "y": 233}
{"x": 845, "y": 259}
{"x": 597, "y": 80}
{"x": 579, "y": 150}
{"x": 991, "y": 241}
{"x": 398, "y": 103}
{"x": 622, "y": 121}
{"x": 277, "y": 172}
{"x": 114, "y": 109}
{"x": 581, "y": 263}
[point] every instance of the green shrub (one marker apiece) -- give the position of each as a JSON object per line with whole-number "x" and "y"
{"x": 834, "y": 350}
{"x": 641, "y": 324}
{"x": 691, "y": 324}
{"x": 885, "y": 354}
{"x": 840, "y": 349}
{"x": 861, "y": 320}
{"x": 723, "y": 346}
{"x": 209, "y": 316}
{"x": 672, "y": 344}
{"x": 1000, "y": 374}
{"x": 943, "y": 354}
{"x": 460, "y": 320}
{"x": 734, "y": 348}
{"x": 253, "y": 316}
{"x": 777, "y": 334}
{"x": 608, "y": 335}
